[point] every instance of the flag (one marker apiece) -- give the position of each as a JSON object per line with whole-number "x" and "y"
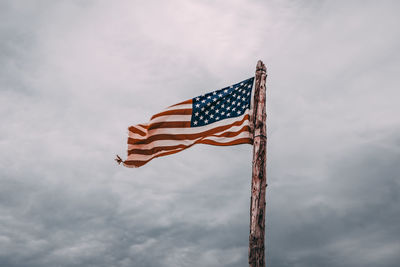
{"x": 220, "y": 118}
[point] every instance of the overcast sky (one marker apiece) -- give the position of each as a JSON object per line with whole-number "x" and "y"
{"x": 75, "y": 74}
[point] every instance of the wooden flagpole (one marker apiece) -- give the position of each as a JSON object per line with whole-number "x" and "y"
{"x": 259, "y": 180}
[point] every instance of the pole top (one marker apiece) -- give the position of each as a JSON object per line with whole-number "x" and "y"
{"x": 261, "y": 66}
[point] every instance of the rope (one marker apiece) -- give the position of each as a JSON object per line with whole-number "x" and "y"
{"x": 260, "y": 135}
{"x": 118, "y": 160}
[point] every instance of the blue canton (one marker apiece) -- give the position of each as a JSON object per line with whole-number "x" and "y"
{"x": 228, "y": 102}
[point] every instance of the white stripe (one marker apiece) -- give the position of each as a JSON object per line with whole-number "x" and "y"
{"x": 159, "y": 143}
{"x": 140, "y": 128}
{"x": 221, "y": 140}
{"x": 171, "y": 118}
{"x": 228, "y": 139}
{"x": 170, "y": 142}
{"x": 175, "y": 131}
{"x": 192, "y": 130}
{"x": 189, "y": 130}
{"x": 148, "y": 157}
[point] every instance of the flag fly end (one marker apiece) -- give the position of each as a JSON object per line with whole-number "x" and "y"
{"x": 118, "y": 160}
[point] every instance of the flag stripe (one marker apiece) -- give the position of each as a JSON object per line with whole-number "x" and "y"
{"x": 183, "y": 103}
{"x": 176, "y": 118}
{"x": 154, "y": 149}
{"x": 207, "y": 119}
{"x": 234, "y": 142}
{"x": 190, "y": 130}
{"x": 176, "y": 136}
{"x": 138, "y": 163}
{"x": 169, "y": 124}
{"x": 187, "y": 111}
{"x": 224, "y": 139}
{"x": 135, "y": 129}
{"x": 227, "y": 141}
{"x": 140, "y": 149}
{"x": 164, "y": 143}
{"x": 154, "y": 137}
{"x": 180, "y": 106}
{"x": 185, "y": 144}
{"x": 234, "y": 126}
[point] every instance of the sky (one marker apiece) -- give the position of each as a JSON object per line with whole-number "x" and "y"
{"x": 75, "y": 74}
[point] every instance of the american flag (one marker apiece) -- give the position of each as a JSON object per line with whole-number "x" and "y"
{"x": 218, "y": 118}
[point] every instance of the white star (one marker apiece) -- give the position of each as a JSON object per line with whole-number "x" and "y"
{"x": 201, "y": 117}
{"x": 234, "y": 102}
{"x": 202, "y": 109}
{"x": 220, "y": 95}
{"x": 234, "y": 109}
{"x": 229, "y": 114}
{"x": 205, "y": 121}
{"x": 238, "y": 96}
{"x": 214, "y": 93}
{"x": 226, "y": 91}
{"x": 228, "y": 108}
{"x": 241, "y": 84}
{"x": 209, "y": 97}
{"x": 197, "y": 98}
{"x": 195, "y": 122}
{"x": 234, "y": 95}
{"x": 243, "y": 98}
{"x": 222, "y": 106}
{"x": 196, "y": 114}
{"x": 228, "y": 100}
{"x": 214, "y": 99}
{"x": 217, "y": 111}
{"x": 197, "y": 105}
{"x": 209, "y": 103}
{"x": 211, "y": 116}
{"x": 222, "y": 113}
{"x": 238, "y": 112}
{"x": 212, "y": 107}
{"x": 203, "y": 101}
{"x": 207, "y": 112}
{"x": 238, "y": 103}
{"x": 217, "y": 118}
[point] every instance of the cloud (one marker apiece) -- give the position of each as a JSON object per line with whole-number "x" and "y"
{"x": 76, "y": 74}
{"x": 346, "y": 216}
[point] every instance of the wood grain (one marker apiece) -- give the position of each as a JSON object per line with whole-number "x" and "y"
{"x": 259, "y": 180}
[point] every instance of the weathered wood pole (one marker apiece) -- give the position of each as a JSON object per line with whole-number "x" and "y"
{"x": 259, "y": 179}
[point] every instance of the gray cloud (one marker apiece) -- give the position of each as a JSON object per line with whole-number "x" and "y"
{"x": 347, "y": 216}
{"x": 75, "y": 74}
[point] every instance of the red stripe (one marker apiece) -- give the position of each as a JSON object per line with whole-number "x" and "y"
{"x": 182, "y": 103}
{"x": 154, "y": 150}
{"x": 135, "y": 141}
{"x": 133, "y": 129}
{"x": 235, "y": 142}
{"x": 169, "y": 124}
{"x": 173, "y": 112}
{"x": 161, "y": 148}
{"x": 138, "y": 163}
{"x": 212, "y": 132}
